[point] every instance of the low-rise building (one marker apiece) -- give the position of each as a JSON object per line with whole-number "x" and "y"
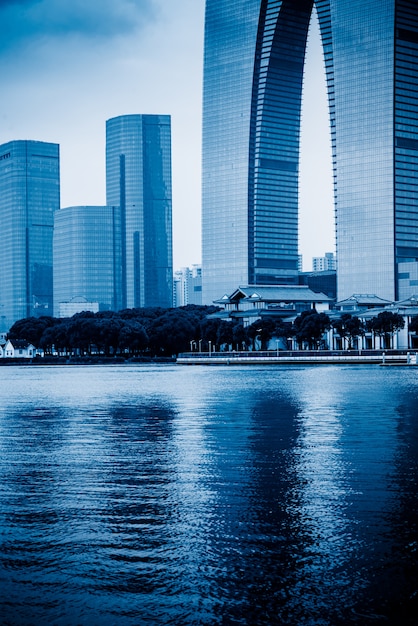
{"x": 18, "y": 349}
{"x": 253, "y": 302}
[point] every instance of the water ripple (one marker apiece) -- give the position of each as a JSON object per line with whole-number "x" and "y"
{"x": 160, "y": 495}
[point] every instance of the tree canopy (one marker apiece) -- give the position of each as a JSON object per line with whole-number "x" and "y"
{"x": 349, "y": 327}
{"x": 151, "y": 330}
{"x": 385, "y": 324}
{"x": 265, "y": 329}
{"x": 310, "y": 327}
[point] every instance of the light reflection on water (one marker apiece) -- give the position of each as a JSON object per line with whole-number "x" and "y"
{"x": 171, "y": 495}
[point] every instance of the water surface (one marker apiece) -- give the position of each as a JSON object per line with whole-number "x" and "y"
{"x": 208, "y": 495}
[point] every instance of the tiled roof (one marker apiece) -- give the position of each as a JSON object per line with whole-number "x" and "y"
{"x": 363, "y": 300}
{"x": 276, "y": 293}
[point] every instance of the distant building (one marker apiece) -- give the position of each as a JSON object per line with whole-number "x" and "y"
{"x": 324, "y": 263}
{"x": 29, "y": 197}
{"x": 188, "y": 286}
{"x": 77, "y": 305}
{"x": 324, "y": 281}
{"x": 138, "y": 180}
{"x": 87, "y": 259}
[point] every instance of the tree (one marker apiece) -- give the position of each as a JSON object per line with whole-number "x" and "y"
{"x": 31, "y": 329}
{"x": 310, "y": 327}
{"x": 132, "y": 336}
{"x": 209, "y": 330}
{"x": 385, "y": 324}
{"x": 239, "y": 336}
{"x": 262, "y": 329}
{"x": 171, "y": 333}
{"x": 55, "y": 337}
{"x": 82, "y": 332}
{"x": 282, "y": 330}
{"x": 349, "y": 327}
{"x": 107, "y": 335}
{"x": 225, "y": 333}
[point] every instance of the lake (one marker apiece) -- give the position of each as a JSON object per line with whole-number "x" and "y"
{"x": 163, "y": 494}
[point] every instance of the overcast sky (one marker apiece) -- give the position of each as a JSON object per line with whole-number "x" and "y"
{"x": 69, "y": 65}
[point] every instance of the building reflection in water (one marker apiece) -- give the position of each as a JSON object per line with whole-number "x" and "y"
{"x": 209, "y": 496}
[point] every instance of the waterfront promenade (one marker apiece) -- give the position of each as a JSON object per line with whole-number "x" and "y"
{"x": 299, "y": 357}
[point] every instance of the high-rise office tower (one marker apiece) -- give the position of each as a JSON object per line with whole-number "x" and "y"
{"x": 138, "y": 179}
{"x": 253, "y": 72}
{"x": 87, "y": 257}
{"x": 29, "y": 197}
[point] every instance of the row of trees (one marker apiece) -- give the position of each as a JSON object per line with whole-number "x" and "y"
{"x": 130, "y": 332}
{"x": 385, "y": 324}
{"x": 350, "y": 327}
{"x": 164, "y": 332}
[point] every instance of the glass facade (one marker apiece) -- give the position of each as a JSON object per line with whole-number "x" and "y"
{"x": 253, "y": 71}
{"x": 230, "y": 42}
{"x": 87, "y": 257}
{"x": 361, "y": 63}
{"x": 138, "y": 179}
{"x": 29, "y": 197}
{"x": 406, "y": 145}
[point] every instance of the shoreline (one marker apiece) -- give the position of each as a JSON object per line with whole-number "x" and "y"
{"x": 83, "y": 361}
{"x": 388, "y": 358}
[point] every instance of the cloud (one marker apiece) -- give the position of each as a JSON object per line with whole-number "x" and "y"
{"x": 23, "y": 22}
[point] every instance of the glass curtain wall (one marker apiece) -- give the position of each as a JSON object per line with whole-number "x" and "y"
{"x": 406, "y": 147}
{"x": 87, "y": 256}
{"x": 138, "y": 179}
{"x": 253, "y": 68}
{"x": 253, "y": 72}
{"x": 29, "y": 197}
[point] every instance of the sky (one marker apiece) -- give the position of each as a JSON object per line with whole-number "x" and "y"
{"x": 66, "y": 66}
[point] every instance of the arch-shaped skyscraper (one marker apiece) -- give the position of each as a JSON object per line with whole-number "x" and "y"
{"x": 253, "y": 74}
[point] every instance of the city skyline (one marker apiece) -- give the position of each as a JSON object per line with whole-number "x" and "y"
{"x": 68, "y": 68}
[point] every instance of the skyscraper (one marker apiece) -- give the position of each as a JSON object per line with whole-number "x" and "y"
{"x": 138, "y": 179}
{"x": 253, "y": 71}
{"x": 87, "y": 257}
{"x": 29, "y": 197}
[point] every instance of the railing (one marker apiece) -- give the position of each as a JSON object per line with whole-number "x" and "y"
{"x": 286, "y": 356}
{"x": 291, "y": 353}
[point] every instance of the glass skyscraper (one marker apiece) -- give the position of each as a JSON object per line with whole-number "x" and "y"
{"x": 29, "y": 197}
{"x": 87, "y": 257}
{"x": 138, "y": 180}
{"x": 253, "y": 72}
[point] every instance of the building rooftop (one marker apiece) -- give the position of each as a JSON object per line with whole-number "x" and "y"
{"x": 362, "y": 301}
{"x": 274, "y": 293}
